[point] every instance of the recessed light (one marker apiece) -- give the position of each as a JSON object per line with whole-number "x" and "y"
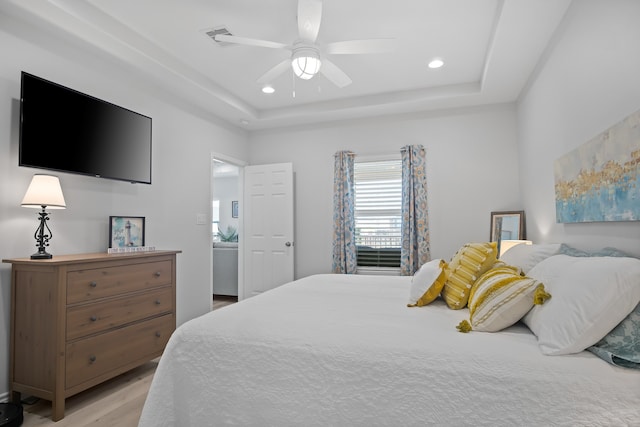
{"x": 268, "y": 89}
{"x": 436, "y": 63}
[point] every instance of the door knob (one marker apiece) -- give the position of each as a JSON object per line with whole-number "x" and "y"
{"x": 287, "y": 244}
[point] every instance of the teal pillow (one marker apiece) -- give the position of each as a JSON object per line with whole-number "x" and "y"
{"x": 621, "y": 346}
{"x": 571, "y": 251}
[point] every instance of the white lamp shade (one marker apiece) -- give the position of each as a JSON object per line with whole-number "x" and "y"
{"x": 44, "y": 190}
{"x": 505, "y": 245}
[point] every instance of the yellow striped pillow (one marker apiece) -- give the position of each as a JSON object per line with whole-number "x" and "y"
{"x": 500, "y": 298}
{"x": 466, "y": 266}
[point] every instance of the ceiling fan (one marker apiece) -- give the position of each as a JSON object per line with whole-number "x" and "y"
{"x": 307, "y": 58}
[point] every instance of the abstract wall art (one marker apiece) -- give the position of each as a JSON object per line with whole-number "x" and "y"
{"x": 600, "y": 180}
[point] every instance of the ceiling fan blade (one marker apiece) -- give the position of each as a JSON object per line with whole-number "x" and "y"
{"x": 270, "y": 75}
{"x": 360, "y": 46}
{"x": 334, "y": 74}
{"x": 250, "y": 42}
{"x": 309, "y": 16}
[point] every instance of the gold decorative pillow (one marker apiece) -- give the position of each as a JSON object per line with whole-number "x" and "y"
{"x": 427, "y": 283}
{"x": 467, "y": 265}
{"x": 501, "y": 297}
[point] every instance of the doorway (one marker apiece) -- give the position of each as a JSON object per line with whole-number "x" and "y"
{"x": 226, "y": 229}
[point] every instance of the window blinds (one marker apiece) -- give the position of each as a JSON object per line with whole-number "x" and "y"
{"x": 378, "y": 204}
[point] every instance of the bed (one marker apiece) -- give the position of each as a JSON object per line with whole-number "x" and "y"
{"x": 345, "y": 350}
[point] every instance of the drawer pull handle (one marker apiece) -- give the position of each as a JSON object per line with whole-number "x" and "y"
{"x": 92, "y": 358}
{"x": 93, "y": 284}
{"x": 93, "y": 318}
{"x": 158, "y": 334}
{"x": 157, "y": 302}
{"x": 157, "y": 274}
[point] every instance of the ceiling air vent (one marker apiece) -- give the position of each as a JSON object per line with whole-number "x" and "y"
{"x": 213, "y": 32}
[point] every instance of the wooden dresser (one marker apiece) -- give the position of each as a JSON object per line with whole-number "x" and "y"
{"x": 78, "y": 320}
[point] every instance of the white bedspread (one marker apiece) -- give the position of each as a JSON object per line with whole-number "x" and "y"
{"x": 338, "y": 350}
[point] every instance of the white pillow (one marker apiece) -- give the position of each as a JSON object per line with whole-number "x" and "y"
{"x": 589, "y": 297}
{"x": 427, "y": 283}
{"x": 526, "y": 256}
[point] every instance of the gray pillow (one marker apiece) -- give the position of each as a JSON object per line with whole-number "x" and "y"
{"x": 571, "y": 251}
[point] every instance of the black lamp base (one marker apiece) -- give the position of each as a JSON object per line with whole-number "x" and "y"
{"x": 43, "y": 255}
{"x": 42, "y": 235}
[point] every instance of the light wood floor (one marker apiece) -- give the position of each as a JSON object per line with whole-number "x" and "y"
{"x": 117, "y": 402}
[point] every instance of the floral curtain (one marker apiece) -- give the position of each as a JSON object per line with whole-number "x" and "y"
{"x": 344, "y": 245}
{"x": 415, "y": 219}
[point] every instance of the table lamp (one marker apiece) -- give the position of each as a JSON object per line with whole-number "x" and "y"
{"x": 505, "y": 245}
{"x": 44, "y": 191}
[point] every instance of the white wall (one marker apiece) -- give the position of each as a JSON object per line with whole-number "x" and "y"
{"x": 182, "y": 142}
{"x": 471, "y": 171}
{"x": 589, "y": 82}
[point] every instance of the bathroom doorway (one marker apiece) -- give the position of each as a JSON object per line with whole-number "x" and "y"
{"x": 226, "y": 225}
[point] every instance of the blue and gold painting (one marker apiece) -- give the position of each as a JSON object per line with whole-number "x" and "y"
{"x": 599, "y": 181}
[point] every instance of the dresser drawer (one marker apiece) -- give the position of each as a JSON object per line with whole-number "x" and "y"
{"x": 95, "y": 317}
{"x": 97, "y": 355}
{"x": 86, "y": 285}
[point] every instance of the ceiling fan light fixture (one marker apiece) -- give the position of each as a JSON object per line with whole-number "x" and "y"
{"x": 305, "y": 62}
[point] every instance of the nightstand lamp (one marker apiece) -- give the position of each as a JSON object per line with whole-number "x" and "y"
{"x": 505, "y": 245}
{"x": 44, "y": 191}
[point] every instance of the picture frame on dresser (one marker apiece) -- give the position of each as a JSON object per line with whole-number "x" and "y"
{"x": 126, "y": 231}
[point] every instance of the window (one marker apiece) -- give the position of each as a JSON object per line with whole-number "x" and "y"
{"x": 378, "y": 212}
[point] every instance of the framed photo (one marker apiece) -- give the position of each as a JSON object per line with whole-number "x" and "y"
{"x": 507, "y": 225}
{"x": 126, "y": 231}
{"x": 234, "y": 209}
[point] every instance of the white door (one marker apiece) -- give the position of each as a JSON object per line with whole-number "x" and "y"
{"x": 268, "y": 227}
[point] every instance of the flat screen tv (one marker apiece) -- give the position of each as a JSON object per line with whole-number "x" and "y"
{"x": 64, "y": 130}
